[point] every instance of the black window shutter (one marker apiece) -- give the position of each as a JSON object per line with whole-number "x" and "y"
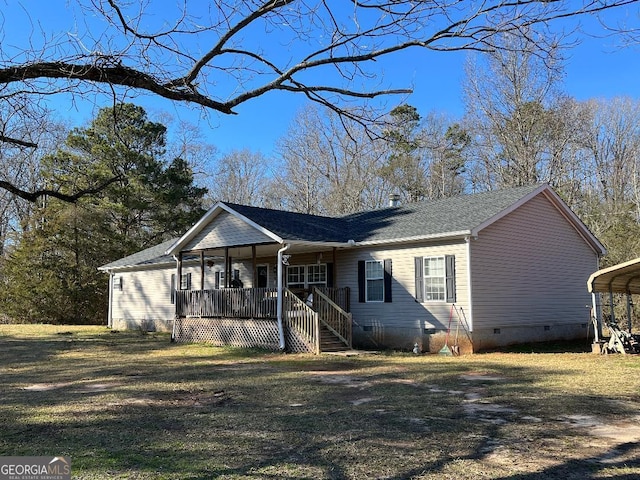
{"x": 330, "y": 275}
{"x": 419, "y": 272}
{"x": 188, "y": 281}
{"x": 361, "y": 282}
{"x": 216, "y": 283}
{"x": 450, "y": 266}
{"x": 387, "y": 281}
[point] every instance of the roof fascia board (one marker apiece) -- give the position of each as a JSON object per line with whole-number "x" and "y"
{"x": 305, "y": 243}
{"x": 207, "y": 218}
{"x": 144, "y": 266}
{"x": 435, "y": 236}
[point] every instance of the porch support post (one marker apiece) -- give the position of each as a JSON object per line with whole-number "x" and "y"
{"x": 334, "y": 274}
{"x": 226, "y": 267}
{"x": 179, "y": 273}
{"x": 280, "y": 296}
{"x": 201, "y": 269}
{"x": 254, "y": 281}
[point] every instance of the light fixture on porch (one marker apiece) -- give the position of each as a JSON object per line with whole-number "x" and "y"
{"x": 285, "y": 259}
{"x": 210, "y": 263}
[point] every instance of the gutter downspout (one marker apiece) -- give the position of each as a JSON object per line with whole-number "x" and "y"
{"x": 280, "y": 297}
{"x": 467, "y": 240}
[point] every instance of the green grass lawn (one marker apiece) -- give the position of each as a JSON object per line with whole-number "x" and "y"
{"x": 126, "y": 405}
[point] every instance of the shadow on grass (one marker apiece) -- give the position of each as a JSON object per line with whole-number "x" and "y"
{"x": 137, "y": 406}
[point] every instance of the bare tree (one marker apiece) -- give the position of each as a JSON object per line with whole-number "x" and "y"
{"x": 223, "y": 54}
{"x": 511, "y": 96}
{"x": 445, "y": 145}
{"x": 330, "y": 165}
{"x": 241, "y": 177}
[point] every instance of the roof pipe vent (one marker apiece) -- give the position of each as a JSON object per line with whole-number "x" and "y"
{"x": 394, "y": 200}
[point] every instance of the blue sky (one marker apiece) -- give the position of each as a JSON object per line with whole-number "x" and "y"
{"x": 596, "y": 68}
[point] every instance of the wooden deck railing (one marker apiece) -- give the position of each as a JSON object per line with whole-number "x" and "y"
{"x": 227, "y": 303}
{"x": 329, "y": 308}
{"x": 302, "y": 319}
{"x": 333, "y": 317}
{"x": 339, "y": 296}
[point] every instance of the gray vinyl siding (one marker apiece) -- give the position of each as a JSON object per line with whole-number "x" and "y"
{"x": 530, "y": 269}
{"x": 401, "y": 322}
{"x": 226, "y": 230}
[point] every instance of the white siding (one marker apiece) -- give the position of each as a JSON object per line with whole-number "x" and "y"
{"x": 145, "y": 298}
{"x": 530, "y": 269}
{"x": 402, "y": 322}
{"x": 226, "y": 230}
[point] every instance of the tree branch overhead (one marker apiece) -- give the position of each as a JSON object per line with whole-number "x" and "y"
{"x": 221, "y": 55}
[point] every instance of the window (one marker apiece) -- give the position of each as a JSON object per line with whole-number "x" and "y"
{"x": 434, "y": 279}
{"x": 219, "y": 279}
{"x": 306, "y": 276}
{"x": 117, "y": 283}
{"x": 295, "y": 276}
{"x": 374, "y": 276}
{"x": 316, "y": 274}
{"x": 185, "y": 282}
{"x": 375, "y": 281}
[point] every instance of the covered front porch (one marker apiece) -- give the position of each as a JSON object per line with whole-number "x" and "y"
{"x": 273, "y": 296}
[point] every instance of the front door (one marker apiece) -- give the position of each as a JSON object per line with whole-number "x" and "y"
{"x": 263, "y": 276}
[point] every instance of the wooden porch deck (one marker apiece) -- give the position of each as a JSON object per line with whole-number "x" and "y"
{"x": 247, "y": 317}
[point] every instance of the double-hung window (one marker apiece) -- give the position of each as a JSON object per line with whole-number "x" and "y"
{"x": 434, "y": 279}
{"x": 374, "y": 278}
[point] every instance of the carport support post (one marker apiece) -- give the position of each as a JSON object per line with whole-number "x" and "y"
{"x": 597, "y": 315}
{"x": 611, "y": 309}
{"x": 629, "y": 311}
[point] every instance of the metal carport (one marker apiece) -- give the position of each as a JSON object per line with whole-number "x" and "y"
{"x": 622, "y": 278}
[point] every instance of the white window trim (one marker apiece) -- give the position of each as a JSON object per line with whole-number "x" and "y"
{"x": 444, "y": 278}
{"x": 305, "y": 275}
{"x": 366, "y": 281}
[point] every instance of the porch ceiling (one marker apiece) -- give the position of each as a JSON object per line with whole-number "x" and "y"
{"x": 621, "y": 278}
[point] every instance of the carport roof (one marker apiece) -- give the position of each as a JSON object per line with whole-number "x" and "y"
{"x": 620, "y": 278}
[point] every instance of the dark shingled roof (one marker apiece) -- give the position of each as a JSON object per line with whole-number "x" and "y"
{"x": 430, "y": 217}
{"x": 433, "y": 217}
{"x": 148, "y": 256}
{"x": 295, "y": 226}
{"x": 422, "y": 219}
